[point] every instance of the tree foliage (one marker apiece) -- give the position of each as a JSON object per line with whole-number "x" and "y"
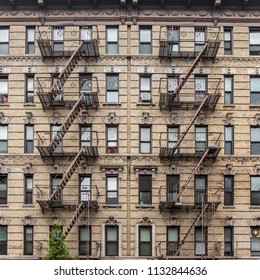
{"x": 57, "y": 249}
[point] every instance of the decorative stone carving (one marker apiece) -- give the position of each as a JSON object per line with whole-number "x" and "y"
{"x": 56, "y": 119}
{"x": 173, "y": 221}
{"x": 254, "y": 170}
{"x": 145, "y": 170}
{"x": 173, "y": 120}
{"x": 55, "y": 220}
{"x": 84, "y": 169}
{"x": 228, "y": 221}
{"x": 3, "y": 119}
{"x": 112, "y": 170}
{"x": 85, "y": 118}
{"x": 84, "y": 221}
{"x": 112, "y": 119}
{"x": 29, "y": 169}
{"x": 29, "y": 118}
{"x": 28, "y": 220}
{"x": 229, "y": 170}
{"x": 111, "y": 221}
{"x": 58, "y": 169}
{"x": 202, "y": 170}
{"x": 4, "y": 221}
{"x": 145, "y": 221}
{"x": 173, "y": 170}
{"x": 201, "y": 119}
{"x": 254, "y": 222}
{"x": 4, "y": 169}
{"x": 145, "y": 119}
{"x": 229, "y": 119}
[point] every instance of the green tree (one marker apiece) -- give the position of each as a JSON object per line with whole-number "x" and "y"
{"x": 57, "y": 250}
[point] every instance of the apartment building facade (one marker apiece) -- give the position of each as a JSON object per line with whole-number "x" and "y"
{"x": 134, "y": 124}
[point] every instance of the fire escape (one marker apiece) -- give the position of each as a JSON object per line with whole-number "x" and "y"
{"x": 186, "y": 93}
{"x": 54, "y": 93}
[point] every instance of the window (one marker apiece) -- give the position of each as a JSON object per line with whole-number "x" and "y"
{"x": 111, "y": 236}
{"x": 172, "y": 84}
{"x": 255, "y": 90}
{"x": 28, "y": 189}
{"x": 173, "y": 238}
{"x": 55, "y": 182}
{"x": 200, "y": 195}
{"x": 112, "y": 39}
{"x": 228, "y": 241}
{"x": 84, "y": 188}
{"x": 173, "y": 136}
{"x": 58, "y": 38}
{"x": 145, "y": 38}
{"x": 201, "y": 241}
{"x": 254, "y": 41}
{"x": 28, "y": 139}
{"x": 3, "y": 189}
{"x": 58, "y": 93}
{"x": 84, "y": 240}
{"x": 255, "y": 190}
{"x": 29, "y": 88}
{"x": 200, "y": 88}
{"x": 145, "y": 240}
{"x": 173, "y": 185}
{"x": 4, "y": 40}
{"x": 173, "y": 37}
{"x": 145, "y": 140}
{"x": 229, "y": 140}
{"x": 85, "y": 136}
{"x": 3, "y": 139}
{"x": 3, "y": 89}
{"x": 112, "y": 88}
{"x": 85, "y": 33}
{"x": 228, "y": 90}
{"x": 228, "y": 190}
{"x": 145, "y": 89}
{"x": 112, "y": 190}
{"x": 54, "y": 130}
{"x": 112, "y": 139}
{"x": 200, "y": 38}
{"x": 228, "y": 40}
{"x": 255, "y": 141}
{"x": 201, "y": 138}
{"x": 145, "y": 189}
{"x": 30, "y": 40}
{"x": 3, "y": 240}
{"x": 28, "y": 240}
{"x": 255, "y": 241}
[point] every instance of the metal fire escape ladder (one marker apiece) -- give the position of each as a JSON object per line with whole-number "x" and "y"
{"x": 191, "y": 228}
{"x": 184, "y": 80}
{"x": 191, "y": 176}
{"x": 67, "y": 175}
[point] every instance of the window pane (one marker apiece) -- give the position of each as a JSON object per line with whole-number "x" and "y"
{"x": 145, "y": 234}
{"x": 3, "y": 86}
{"x": 30, "y": 83}
{"x": 145, "y": 83}
{"x": 112, "y": 82}
{"x": 112, "y": 48}
{"x": 200, "y": 84}
{"x": 3, "y": 233}
{"x": 255, "y": 84}
{"x": 173, "y": 234}
{"x": 228, "y": 183}
{"x": 255, "y": 134}
{"x": 112, "y": 96}
{"x": 3, "y": 132}
{"x": 145, "y": 134}
{"x": 112, "y": 133}
{"x": 112, "y": 183}
{"x": 29, "y": 183}
{"x": 173, "y": 34}
{"x": 112, "y": 34}
{"x": 4, "y": 35}
{"x": 85, "y": 34}
{"x": 30, "y": 34}
{"x": 112, "y": 234}
{"x": 58, "y": 33}
{"x": 145, "y": 35}
{"x": 84, "y": 234}
{"x": 145, "y": 148}
{"x": 228, "y": 133}
{"x": 200, "y": 183}
{"x": 255, "y": 183}
{"x": 172, "y": 83}
{"x": 29, "y": 132}
{"x": 254, "y": 37}
{"x": 227, "y": 35}
{"x": 228, "y": 84}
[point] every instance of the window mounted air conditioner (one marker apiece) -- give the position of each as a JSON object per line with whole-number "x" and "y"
{"x": 145, "y": 96}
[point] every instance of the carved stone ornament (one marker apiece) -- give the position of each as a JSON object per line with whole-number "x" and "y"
{"x": 4, "y": 221}
{"x": 112, "y": 119}
{"x": 254, "y": 222}
{"x": 229, "y": 170}
{"x": 145, "y": 119}
{"x": 173, "y": 221}
{"x": 201, "y": 120}
{"x": 29, "y": 169}
{"x": 173, "y": 170}
{"x": 145, "y": 170}
{"x": 254, "y": 170}
{"x": 3, "y": 119}
{"x": 55, "y": 220}
{"x": 173, "y": 120}
{"x": 84, "y": 221}
{"x": 229, "y": 120}
{"x": 85, "y": 118}
{"x": 84, "y": 169}
{"x": 56, "y": 119}
{"x": 58, "y": 169}
{"x": 111, "y": 170}
{"x": 28, "y": 220}
{"x": 111, "y": 221}
{"x": 145, "y": 221}
{"x": 202, "y": 170}
{"x": 228, "y": 221}
{"x": 29, "y": 119}
{"x": 4, "y": 169}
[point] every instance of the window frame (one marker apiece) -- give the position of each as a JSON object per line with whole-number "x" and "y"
{"x": 110, "y": 191}
{"x": 142, "y": 92}
{"x": 228, "y": 144}
{"x": 4, "y": 141}
{"x": 229, "y": 95}
{"x": 174, "y": 45}
{"x": 28, "y": 192}
{"x": 254, "y": 239}
{"x": 85, "y": 142}
{"x": 145, "y": 43}
{"x": 141, "y": 127}
{"x": 30, "y": 45}
{"x": 89, "y": 27}
{"x": 4, "y": 243}
{"x": 85, "y": 191}
{"x": 229, "y": 194}
{"x": 200, "y": 94}
{"x": 200, "y": 194}
{"x": 229, "y": 240}
{"x": 28, "y": 143}
{"x": 4, "y": 95}
{"x": 29, "y": 94}
{"x": 172, "y": 190}
{"x": 198, "y": 45}
{"x": 56, "y": 41}
{"x": 254, "y": 94}
{"x": 172, "y": 246}
{"x": 254, "y": 142}
{"x": 28, "y": 251}
{"x": 204, "y": 231}
{"x": 142, "y": 190}
{"x": 228, "y": 50}
{"x": 111, "y": 242}
{"x": 4, "y": 197}
{"x": 7, "y": 28}
{"x": 109, "y": 91}
{"x": 112, "y": 149}
{"x": 84, "y": 246}
{"x": 197, "y": 142}
{"x": 53, "y": 186}
{"x": 112, "y": 42}
{"x": 254, "y": 52}
{"x": 252, "y": 198}
{"x": 140, "y": 242}
{"x": 59, "y": 148}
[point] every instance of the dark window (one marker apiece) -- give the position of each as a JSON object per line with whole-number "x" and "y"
{"x": 29, "y": 88}
{"x": 85, "y": 136}
{"x": 55, "y": 182}
{"x": 145, "y": 140}
{"x": 4, "y": 40}
{"x": 145, "y": 89}
{"x": 112, "y": 140}
{"x": 255, "y": 90}
{"x": 3, "y": 240}
{"x": 173, "y": 185}
{"x": 255, "y": 241}
{"x": 228, "y": 40}
{"x": 111, "y": 246}
{"x": 3, "y": 189}
{"x": 112, "y": 39}
{"x": 30, "y": 40}
{"x": 145, "y": 240}
{"x": 58, "y": 38}
{"x": 28, "y": 189}
{"x": 173, "y": 38}
{"x": 173, "y": 238}
{"x": 28, "y": 240}
{"x": 228, "y": 190}
{"x": 112, "y": 190}
{"x": 201, "y": 241}
{"x": 200, "y": 38}
{"x": 255, "y": 141}
{"x": 85, "y": 241}
{"x": 200, "y": 189}
{"x": 255, "y": 190}
{"x": 85, "y": 88}
{"x": 229, "y": 140}
{"x": 145, "y": 38}
{"x": 59, "y": 94}
{"x": 112, "y": 88}
{"x": 145, "y": 189}
{"x": 228, "y": 239}
{"x": 85, "y": 188}
{"x": 54, "y": 130}
{"x": 201, "y": 84}
{"x": 228, "y": 90}
{"x": 3, "y": 89}
{"x": 201, "y": 138}
{"x": 3, "y": 139}
{"x": 28, "y": 139}
{"x": 254, "y": 41}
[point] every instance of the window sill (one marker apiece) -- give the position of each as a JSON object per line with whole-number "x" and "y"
{"x": 229, "y": 106}
{"x": 5, "y": 104}
{"x": 229, "y": 207}
{"x": 112, "y": 104}
{"x": 150, "y": 104}
{"x": 145, "y": 206}
{"x": 29, "y": 104}
{"x": 256, "y": 106}
{"x": 4, "y": 205}
{"x": 112, "y": 206}
{"x": 254, "y": 207}
{"x": 29, "y": 205}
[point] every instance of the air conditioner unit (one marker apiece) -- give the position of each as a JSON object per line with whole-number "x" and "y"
{"x": 145, "y": 96}
{"x": 255, "y": 232}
